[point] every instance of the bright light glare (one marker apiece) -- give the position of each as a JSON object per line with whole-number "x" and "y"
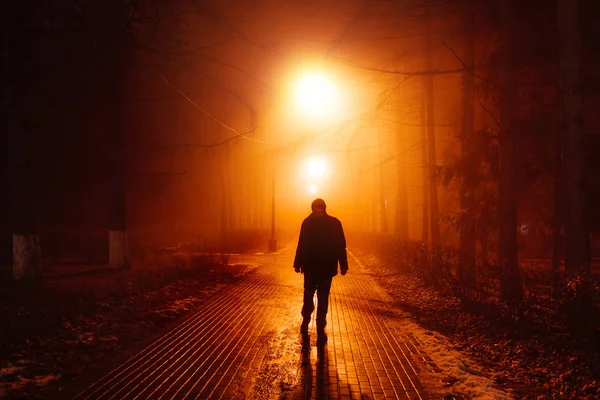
{"x": 313, "y": 189}
{"x": 316, "y": 95}
{"x": 315, "y": 167}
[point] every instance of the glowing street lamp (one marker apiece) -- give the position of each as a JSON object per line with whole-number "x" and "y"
{"x": 315, "y": 96}
{"x": 315, "y": 167}
{"x": 314, "y": 171}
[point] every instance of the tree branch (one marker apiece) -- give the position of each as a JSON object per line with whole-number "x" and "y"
{"x": 396, "y": 72}
{"x": 390, "y": 158}
{"x": 469, "y": 70}
{"x": 218, "y": 121}
{"x": 494, "y": 117}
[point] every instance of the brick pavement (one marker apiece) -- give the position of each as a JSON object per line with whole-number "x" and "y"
{"x": 244, "y": 344}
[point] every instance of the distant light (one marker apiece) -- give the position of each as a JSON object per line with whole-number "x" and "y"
{"x": 315, "y": 167}
{"x": 313, "y": 189}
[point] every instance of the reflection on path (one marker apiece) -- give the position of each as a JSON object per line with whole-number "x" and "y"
{"x": 320, "y": 378}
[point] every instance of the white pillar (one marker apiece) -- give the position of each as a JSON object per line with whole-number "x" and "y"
{"x": 27, "y": 256}
{"x": 117, "y": 248}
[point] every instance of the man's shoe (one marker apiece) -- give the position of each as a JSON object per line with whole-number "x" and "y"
{"x": 304, "y": 327}
{"x": 321, "y": 339}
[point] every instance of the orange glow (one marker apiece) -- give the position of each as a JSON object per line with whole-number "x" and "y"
{"x": 316, "y": 95}
{"x": 314, "y": 168}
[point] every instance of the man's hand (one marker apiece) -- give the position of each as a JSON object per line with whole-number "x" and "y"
{"x": 298, "y": 269}
{"x": 344, "y": 271}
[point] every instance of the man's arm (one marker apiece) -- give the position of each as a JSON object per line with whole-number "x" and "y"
{"x": 342, "y": 255}
{"x": 300, "y": 249}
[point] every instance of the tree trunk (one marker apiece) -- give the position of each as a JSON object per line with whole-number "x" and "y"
{"x": 241, "y": 194}
{"x": 7, "y": 70}
{"x": 431, "y": 156}
{"x": 382, "y": 203}
{"x": 577, "y": 249}
{"x": 222, "y": 166}
{"x": 510, "y": 280}
{"x": 112, "y": 14}
{"x": 557, "y": 217}
{"x": 22, "y": 62}
{"x": 229, "y": 189}
{"x": 254, "y": 195}
{"x": 425, "y": 162}
{"x": 117, "y": 230}
{"x": 402, "y": 190}
{"x": 373, "y": 208}
{"x": 261, "y": 194}
{"x": 273, "y": 240}
{"x": 483, "y": 231}
{"x": 467, "y": 193}
{"x": 223, "y": 208}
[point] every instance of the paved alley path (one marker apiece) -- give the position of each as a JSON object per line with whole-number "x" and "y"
{"x": 244, "y": 344}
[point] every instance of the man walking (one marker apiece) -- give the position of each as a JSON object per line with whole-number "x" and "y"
{"x": 320, "y": 247}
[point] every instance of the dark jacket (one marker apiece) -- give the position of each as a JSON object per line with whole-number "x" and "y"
{"x": 320, "y": 246}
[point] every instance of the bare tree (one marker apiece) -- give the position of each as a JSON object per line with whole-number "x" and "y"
{"x": 425, "y": 162}
{"x": 577, "y": 254}
{"x": 401, "y": 228}
{"x": 434, "y": 218}
{"x": 22, "y": 59}
{"x": 467, "y": 191}
{"x": 402, "y": 187}
{"x": 557, "y": 211}
{"x": 110, "y": 32}
{"x": 383, "y": 222}
{"x": 510, "y": 280}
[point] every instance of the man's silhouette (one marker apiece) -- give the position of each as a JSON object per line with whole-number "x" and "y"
{"x": 320, "y": 247}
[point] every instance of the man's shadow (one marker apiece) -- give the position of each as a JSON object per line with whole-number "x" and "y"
{"x": 306, "y": 367}
{"x": 318, "y": 380}
{"x": 322, "y": 372}
{"x": 315, "y": 377}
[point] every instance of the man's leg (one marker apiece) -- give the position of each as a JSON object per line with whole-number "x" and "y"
{"x": 323, "y": 288}
{"x": 308, "y": 306}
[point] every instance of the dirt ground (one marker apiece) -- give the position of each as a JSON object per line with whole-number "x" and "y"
{"x": 535, "y": 361}
{"x": 83, "y": 320}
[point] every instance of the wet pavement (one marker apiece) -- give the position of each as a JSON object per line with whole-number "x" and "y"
{"x": 243, "y": 343}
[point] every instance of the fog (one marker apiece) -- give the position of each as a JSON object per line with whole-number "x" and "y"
{"x": 210, "y": 160}
{"x": 209, "y": 108}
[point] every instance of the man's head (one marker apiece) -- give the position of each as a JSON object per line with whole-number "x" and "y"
{"x": 318, "y": 206}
